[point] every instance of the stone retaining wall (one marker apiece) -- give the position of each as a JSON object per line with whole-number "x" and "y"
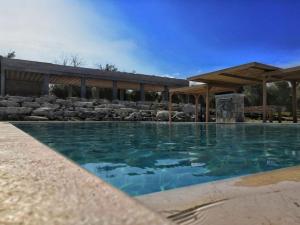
{"x": 76, "y": 109}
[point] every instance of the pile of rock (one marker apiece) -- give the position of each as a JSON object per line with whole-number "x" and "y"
{"x": 76, "y": 109}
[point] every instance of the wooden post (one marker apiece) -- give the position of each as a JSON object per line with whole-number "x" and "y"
{"x": 196, "y": 107}
{"x": 170, "y": 107}
{"x": 2, "y": 77}
{"x": 142, "y": 92}
{"x": 70, "y": 91}
{"x": 165, "y": 94}
{"x": 122, "y": 94}
{"x": 115, "y": 90}
{"x": 207, "y": 104}
{"x": 264, "y": 86}
{"x": 45, "y": 86}
{"x": 82, "y": 88}
{"x": 2, "y": 82}
{"x": 95, "y": 92}
{"x": 294, "y": 100}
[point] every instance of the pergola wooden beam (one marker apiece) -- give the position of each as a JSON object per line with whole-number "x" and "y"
{"x": 219, "y": 83}
{"x": 241, "y": 77}
{"x": 233, "y": 70}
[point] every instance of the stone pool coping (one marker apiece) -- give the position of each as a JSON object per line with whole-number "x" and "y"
{"x": 39, "y": 186}
{"x": 268, "y": 198}
{"x": 35, "y": 188}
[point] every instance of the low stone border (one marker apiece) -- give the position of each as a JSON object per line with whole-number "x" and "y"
{"x": 18, "y": 108}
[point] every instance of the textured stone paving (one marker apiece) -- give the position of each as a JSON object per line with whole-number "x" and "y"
{"x": 39, "y": 186}
{"x": 271, "y": 198}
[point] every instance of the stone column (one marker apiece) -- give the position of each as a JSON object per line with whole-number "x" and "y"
{"x": 142, "y": 92}
{"x": 45, "y": 85}
{"x": 115, "y": 90}
{"x": 82, "y": 88}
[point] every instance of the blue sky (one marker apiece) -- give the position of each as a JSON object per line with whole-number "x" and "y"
{"x": 165, "y": 37}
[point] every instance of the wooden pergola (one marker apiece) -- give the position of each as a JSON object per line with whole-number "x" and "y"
{"x": 14, "y": 73}
{"x": 197, "y": 91}
{"x": 233, "y": 78}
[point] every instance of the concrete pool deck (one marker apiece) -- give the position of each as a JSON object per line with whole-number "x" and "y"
{"x": 39, "y": 186}
{"x": 269, "y": 198}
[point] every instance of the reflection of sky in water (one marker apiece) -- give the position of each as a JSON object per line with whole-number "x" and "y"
{"x": 141, "y": 158}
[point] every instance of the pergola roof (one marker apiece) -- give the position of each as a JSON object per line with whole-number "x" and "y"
{"x": 289, "y": 74}
{"x": 200, "y": 90}
{"x": 246, "y": 74}
{"x": 32, "y": 67}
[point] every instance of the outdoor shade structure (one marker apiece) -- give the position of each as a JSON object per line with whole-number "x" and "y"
{"x": 197, "y": 91}
{"x": 22, "y": 77}
{"x": 233, "y": 78}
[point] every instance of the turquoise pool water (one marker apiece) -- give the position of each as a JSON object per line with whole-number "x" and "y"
{"x": 141, "y": 158}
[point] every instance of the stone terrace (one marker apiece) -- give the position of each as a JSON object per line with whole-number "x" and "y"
{"x": 75, "y": 109}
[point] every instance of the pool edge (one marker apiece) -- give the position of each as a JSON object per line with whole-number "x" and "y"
{"x": 40, "y": 186}
{"x": 271, "y": 197}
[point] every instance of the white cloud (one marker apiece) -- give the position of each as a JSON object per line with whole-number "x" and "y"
{"x": 43, "y": 30}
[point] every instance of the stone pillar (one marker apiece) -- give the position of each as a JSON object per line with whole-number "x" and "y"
{"x": 142, "y": 92}
{"x": 70, "y": 91}
{"x": 122, "y": 94}
{"x": 115, "y": 90}
{"x": 82, "y": 88}
{"x": 45, "y": 85}
{"x": 229, "y": 108}
{"x": 165, "y": 94}
{"x": 2, "y": 83}
{"x": 294, "y": 100}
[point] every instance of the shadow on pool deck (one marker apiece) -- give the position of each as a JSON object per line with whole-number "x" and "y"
{"x": 269, "y": 198}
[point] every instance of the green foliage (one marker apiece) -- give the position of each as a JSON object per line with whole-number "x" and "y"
{"x": 278, "y": 93}
{"x": 253, "y": 95}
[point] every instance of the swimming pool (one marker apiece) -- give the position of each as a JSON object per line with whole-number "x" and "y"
{"x": 141, "y": 158}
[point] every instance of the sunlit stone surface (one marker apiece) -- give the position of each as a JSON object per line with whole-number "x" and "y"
{"x": 39, "y": 186}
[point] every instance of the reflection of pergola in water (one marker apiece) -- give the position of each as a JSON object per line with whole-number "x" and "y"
{"x": 233, "y": 78}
